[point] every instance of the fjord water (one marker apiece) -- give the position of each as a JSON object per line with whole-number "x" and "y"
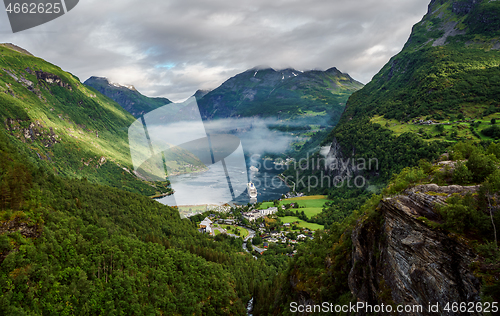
{"x": 209, "y": 189}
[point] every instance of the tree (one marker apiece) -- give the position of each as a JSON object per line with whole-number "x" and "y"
{"x": 493, "y": 121}
{"x": 461, "y": 174}
{"x": 257, "y": 240}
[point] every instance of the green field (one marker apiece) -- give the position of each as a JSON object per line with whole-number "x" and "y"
{"x": 243, "y": 231}
{"x": 313, "y": 204}
{"x": 430, "y": 132}
{"x": 311, "y": 226}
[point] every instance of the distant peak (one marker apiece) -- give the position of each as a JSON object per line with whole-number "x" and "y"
{"x": 105, "y": 80}
{"x": 201, "y": 93}
{"x": 261, "y": 67}
{"x": 94, "y": 78}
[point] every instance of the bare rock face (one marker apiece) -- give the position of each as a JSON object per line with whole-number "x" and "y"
{"x": 52, "y": 79}
{"x": 398, "y": 259}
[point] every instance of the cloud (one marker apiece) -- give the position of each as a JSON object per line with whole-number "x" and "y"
{"x": 255, "y": 134}
{"x": 172, "y": 48}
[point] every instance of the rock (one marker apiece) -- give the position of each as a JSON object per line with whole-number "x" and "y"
{"x": 398, "y": 259}
{"x": 52, "y": 79}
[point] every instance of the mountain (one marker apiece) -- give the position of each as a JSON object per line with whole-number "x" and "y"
{"x": 443, "y": 87}
{"x": 302, "y": 106}
{"x": 284, "y": 93}
{"x": 200, "y": 94}
{"x": 126, "y": 96}
{"x": 65, "y": 126}
{"x": 74, "y": 239}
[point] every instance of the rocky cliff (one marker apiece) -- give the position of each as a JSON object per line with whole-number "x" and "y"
{"x": 399, "y": 259}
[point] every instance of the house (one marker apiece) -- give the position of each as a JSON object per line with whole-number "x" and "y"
{"x": 266, "y": 245}
{"x": 206, "y": 226}
{"x": 229, "y": 221}
{"x": 268, "y": 211}
{"x": 286, "y": 224}
{"x": 259, "y": 250}
{"x": 275, "y": 233}
{"x": 252, "y": 215}
{"x": 301, "y": 236}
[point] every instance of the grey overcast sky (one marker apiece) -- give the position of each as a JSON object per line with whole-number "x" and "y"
{"x": 171, "y": 48}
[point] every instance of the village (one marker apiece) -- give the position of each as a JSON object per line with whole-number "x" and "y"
{"x": 258, "y": 225}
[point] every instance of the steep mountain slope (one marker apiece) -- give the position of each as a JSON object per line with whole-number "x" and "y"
{"x": 127, "y": 96}
{"x": 430, "y": 237}
{"x": 444, "y": 86}
{"x": 70, "y": 247}
{"x": 284, "y": 93}
{"x": 65, "y": 126}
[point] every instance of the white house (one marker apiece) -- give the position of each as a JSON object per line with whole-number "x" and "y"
{"x": 206, "y": 226}
{"x": 268, "y": 211}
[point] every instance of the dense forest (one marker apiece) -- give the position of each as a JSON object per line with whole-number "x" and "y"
{"x": 319, "y": 272}
{"x": 69, "y": 247}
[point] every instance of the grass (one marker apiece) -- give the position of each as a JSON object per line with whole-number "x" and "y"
{"x": 462, "y": 129}
{"x": 86, "y": 125}
{"x": 313, "y": 204}
{"x": 292, "y": 219}
{"x": 243, "y": 232}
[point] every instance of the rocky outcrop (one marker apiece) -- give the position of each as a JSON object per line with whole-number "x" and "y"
{"x": 49, "y": 78}
{"x": 398, "y": 259}
{"x": 29, "y": 131}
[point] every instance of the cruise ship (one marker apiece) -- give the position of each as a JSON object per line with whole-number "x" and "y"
{"x": 252, "y": 191}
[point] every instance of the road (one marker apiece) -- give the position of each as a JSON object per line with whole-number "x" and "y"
{"x": 251, "y": 234}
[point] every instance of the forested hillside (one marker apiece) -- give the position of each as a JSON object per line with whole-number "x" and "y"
{"x": 61, "y": 124}
{"x": 438, "y": 95}
{"x": 444, "y": 86}
{"x": 451, "y": 209}
{"x": 70, "y": 247}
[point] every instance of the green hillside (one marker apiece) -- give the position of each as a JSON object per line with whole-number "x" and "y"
{"x": 284, "y": 94}
{"x": 61, "y": 124}
{"x": 322, "y": 270}
{"x": 443, "y": 87}
{"x": 448, "y": 71}
{"x": 127, "y": 97}
{"x": 69, "y": 247}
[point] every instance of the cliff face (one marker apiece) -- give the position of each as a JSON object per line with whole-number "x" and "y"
{"x": 401, "y": 260}
{"x": 340, "y": 165}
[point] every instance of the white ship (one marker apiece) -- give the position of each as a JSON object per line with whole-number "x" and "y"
{"x": 252, "y": 191}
